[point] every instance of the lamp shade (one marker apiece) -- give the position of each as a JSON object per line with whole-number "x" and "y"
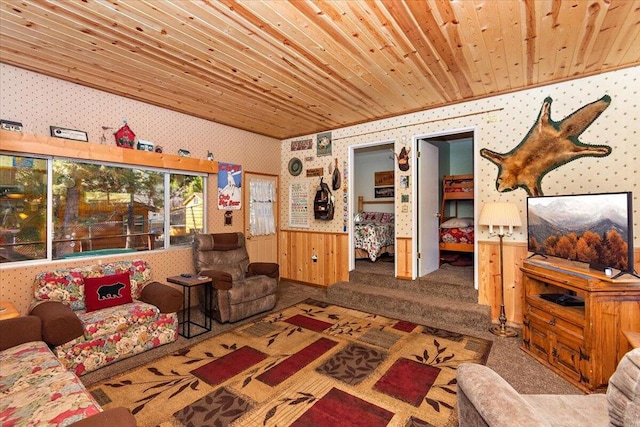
{"x": 500, "y": 214}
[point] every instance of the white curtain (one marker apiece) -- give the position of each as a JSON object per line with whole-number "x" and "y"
{"x": 261, "y": 219}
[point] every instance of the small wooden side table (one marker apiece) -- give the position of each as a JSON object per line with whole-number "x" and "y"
{"x": 189, "y": 283}
{"x": 8, "y": 310}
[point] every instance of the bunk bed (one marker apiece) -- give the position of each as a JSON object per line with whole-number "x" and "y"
{"x": 456, "y": 233}
{"x": 374, "y": 232}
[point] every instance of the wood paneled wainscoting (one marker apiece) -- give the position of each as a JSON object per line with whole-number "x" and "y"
{"x": 489, "y": 278}
{"x": 404, "y": 260}
{"x": 297, "y": 249}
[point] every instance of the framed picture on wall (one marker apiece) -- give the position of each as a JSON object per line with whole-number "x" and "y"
{"x": 324, "y": 144}
{"x": 383, "y": 178}
{"x": 382, "y": 192}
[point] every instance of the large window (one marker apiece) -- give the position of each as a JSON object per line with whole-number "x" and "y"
{"x": 187, "y": 208}
{"x": 95, "y": 208}
{"x": 23, "y": 208}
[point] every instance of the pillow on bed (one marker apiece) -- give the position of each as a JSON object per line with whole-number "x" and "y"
{"x": 367, "y": 217}
{"x": 377, "y": 217}
{"x": 371, "y": 216}
{"x": 457, "y": 223}
{"x": 386, "y": 218}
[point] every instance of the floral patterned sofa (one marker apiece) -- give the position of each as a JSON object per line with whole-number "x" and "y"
{"x": 139, "y": 316}
{"x": 35, "y": 389}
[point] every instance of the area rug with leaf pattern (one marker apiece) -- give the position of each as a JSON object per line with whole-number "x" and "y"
{"x": 312, "y": 364}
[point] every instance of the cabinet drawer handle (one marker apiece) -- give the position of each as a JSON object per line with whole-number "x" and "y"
{"x": 552, "y": 322}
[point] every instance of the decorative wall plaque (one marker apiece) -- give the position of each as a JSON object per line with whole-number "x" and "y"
{"x": 76, "y": 135}
{"x": 302, "y": 144}
{"x": 315, "y": 172}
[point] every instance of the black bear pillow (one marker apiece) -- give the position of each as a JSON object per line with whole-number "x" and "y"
{"x": 107, "y": 291}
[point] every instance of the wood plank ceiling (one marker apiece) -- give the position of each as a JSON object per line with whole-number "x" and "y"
{"x": 289, "y": 68}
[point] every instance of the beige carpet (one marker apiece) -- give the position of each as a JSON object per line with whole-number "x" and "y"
{"x": 447, "y": 273}
{"x": 456, "y": 275}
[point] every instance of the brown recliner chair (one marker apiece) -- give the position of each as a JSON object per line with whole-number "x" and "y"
{"x": 240, "y": 288}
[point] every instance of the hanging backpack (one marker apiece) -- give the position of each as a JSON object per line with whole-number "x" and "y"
{"x": 323, "y": 203}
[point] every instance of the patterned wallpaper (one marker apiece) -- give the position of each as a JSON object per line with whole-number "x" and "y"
{"x": 38, "y": 101}
{"x": 17, "y": 283}
{"x": 500, "y": 123}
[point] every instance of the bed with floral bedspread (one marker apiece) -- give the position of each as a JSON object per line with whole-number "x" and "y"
{"x": 374, "y": 234}
{"x": 457, "y": 234}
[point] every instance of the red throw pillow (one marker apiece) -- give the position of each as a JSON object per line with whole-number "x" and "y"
{"x": 107, "y": 291}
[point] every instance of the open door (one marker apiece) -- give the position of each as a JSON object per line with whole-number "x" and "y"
{"x": 261, "y": 247}
{"x": 427, "y": 214}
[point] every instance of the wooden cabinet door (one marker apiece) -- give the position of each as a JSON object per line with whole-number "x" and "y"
{"x": 539, "y": 341}
{"x": 568, "y": 356}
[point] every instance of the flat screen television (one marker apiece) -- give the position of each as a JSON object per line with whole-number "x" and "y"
{"x": 592, "y": 228}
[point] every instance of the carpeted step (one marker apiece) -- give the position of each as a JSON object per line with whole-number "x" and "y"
{"x": 399, "y": 303}
{"x": 424, "y": 286}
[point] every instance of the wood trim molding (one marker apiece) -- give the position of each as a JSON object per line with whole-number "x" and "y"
{"x": 23, "y": 143}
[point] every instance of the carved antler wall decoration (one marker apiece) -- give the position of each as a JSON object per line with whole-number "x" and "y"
{"x": 547, "y": 146}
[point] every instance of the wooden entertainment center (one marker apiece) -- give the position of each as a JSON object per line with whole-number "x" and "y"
{"x": 582, "y": 344}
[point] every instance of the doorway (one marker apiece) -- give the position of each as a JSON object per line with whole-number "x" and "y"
{"x": 454, "y": 151}
{"x": 262, "y": 247}
{"x": 366, "y": 162}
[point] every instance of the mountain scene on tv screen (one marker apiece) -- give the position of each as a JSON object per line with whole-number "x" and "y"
{"x": 590, "y": 229}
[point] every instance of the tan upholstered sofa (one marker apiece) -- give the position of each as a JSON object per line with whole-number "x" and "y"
{"x": 486, "y": 399}
{"x": 240, "y": 288}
